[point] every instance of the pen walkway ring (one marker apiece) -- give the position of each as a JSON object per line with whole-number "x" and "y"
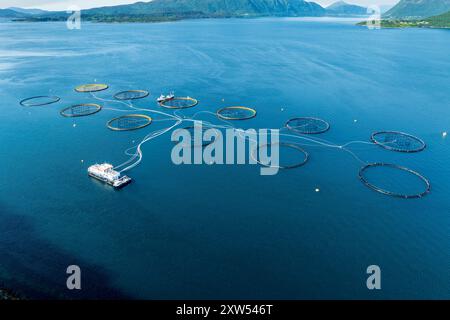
{"x": 81, "y": 110}
{"x": 129, "y": 122}
{"x": 307, "y": 125}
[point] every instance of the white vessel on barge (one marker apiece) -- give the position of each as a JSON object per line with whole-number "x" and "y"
{"x": 105, "y": 172}
{"x": 163, "y": 98}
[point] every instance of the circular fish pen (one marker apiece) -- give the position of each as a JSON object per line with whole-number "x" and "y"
{"x": 288, "y": 146}
{"x": 131, "y": 95}
{"x": 37, "y": 101}
{"x": 179, "y": 103}
{"x": 307, "y": 125}
{"x": 398, "y": 141}
{"x": 236, "y": 113}
{"x": 425, "y": 188}
{"x": 91, "y": 87}
{"x": 81, "y": 110}
{"x": 129, "y": 122}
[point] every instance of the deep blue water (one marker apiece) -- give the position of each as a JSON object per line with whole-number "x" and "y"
{"x": 224, "y": 231}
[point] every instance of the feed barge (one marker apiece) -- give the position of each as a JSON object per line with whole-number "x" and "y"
{"x": 105, "y": 172}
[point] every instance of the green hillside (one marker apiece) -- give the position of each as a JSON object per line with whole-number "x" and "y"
{"x": 417, "y": 9}
{"x": 440, "y": 21}
{"x": 168, "y": 10}
{"x": 215, "y": 7}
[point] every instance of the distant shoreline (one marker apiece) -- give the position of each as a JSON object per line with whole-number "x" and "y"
{"x": 388, "y": 24}
{"x": 169, "y": 18}
{"x": 407, "y": 24}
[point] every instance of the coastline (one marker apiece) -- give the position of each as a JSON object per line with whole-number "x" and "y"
{"x": 123, "y": 19}
{"x": 400, "y": 24}
{"x": 173, "y": 17}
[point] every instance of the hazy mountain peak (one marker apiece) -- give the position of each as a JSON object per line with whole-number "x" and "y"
{"x": 27, "y": 11}
{"x": 337, "y": 4}
{"x": 343, "y": 8}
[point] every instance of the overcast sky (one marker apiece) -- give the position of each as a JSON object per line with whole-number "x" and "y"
{"x": 64, "y": 4}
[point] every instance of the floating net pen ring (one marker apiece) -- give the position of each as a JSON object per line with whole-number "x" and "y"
{"x": 129, "y": 122}
{"x": 81, "y": 110}
{"x": 282, "y": 144}
{"x": 37, "y": 101}
{"x": 179, "y": 103}
{"x": 390, "y": 193}
{"x": 307, "y": 125}
{"x": 239, "y": 113}
{"x": 91, "y": 87}
{"x": 131, "y": 94}
{"x": 398, "y": 141}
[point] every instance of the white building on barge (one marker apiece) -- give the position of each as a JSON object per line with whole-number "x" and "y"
{"x": 105, "y": 172}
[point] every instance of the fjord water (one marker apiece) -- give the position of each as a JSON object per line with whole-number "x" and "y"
{"x": 223, "y": 231}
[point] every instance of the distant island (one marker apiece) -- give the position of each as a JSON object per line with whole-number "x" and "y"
{"x": 173, "y": 10}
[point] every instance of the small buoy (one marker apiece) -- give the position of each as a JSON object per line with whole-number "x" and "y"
{"x": 317, "y": 190}
{"x": 444, "y": 134}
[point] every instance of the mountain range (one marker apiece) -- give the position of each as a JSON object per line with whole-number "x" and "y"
{"x": 216, "y": 8}
{"x": 167, "y": 10}
{"x": 179, "y": 9}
